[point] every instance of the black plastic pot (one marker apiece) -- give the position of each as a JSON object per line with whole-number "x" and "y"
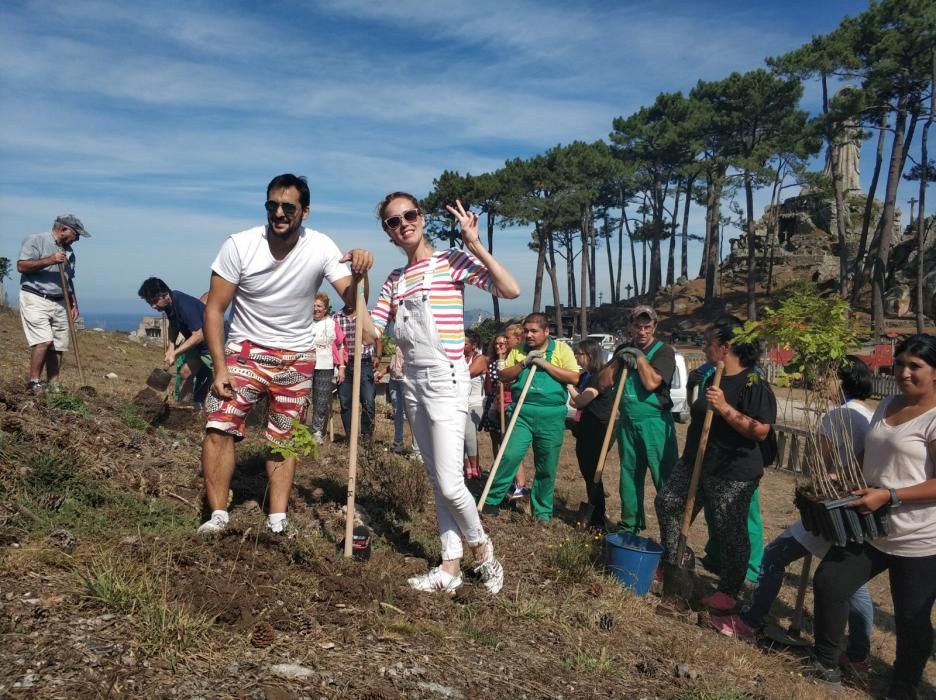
{"x": 836, "y": 522}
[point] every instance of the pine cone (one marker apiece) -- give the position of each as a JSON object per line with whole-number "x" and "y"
{"x": 595, "y": 589}
{"x": 381, "y": 693}
{"x": 605, "y": 621}
{"x": 304, "y": 625}
{"x": 262, "y": 636}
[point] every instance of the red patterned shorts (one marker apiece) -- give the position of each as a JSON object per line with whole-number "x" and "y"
{"x": 285, "y": 376}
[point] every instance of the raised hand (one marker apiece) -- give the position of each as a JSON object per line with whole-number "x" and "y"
{"x": 467, "y": 221}
{"x": 361, "y": 261}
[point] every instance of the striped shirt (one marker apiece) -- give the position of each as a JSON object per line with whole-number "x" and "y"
{"x": 454, "y": 269}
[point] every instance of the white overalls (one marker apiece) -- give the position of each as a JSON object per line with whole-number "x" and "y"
{"x": 435, "y": 393}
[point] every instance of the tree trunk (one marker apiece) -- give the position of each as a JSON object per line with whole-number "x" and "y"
{"x": 712, "y": 214}
{"x": 887, "y": 219}
{"x": 620, "y": 256}
{"x": 860, "y": 264}
{"x": 921, "y": 216}
{"x": 671, "y": 260}
{"x": 540, "y": 267}
{"x": 554, "y": 281}
{"x": 607, "y": 237}
{"x": 751, "y": 249}
{"x": 684, "y": 250}
{"x": 592, "y": 264}
{"x": 570, "y": 271}
{"x": 583, "y": 307}
{"x": 841, "y": 211}
{"x": 633, "y": 253}
{"x": 490, "y": 236}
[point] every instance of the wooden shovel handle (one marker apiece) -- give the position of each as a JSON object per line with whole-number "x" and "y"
{"x": 697, "y": 465}
{"x": 609, "y": 431}
{"x": 360, "y": 310}
{"x": 72, "y": 331}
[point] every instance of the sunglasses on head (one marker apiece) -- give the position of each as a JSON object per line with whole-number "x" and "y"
{"x": 410, "y": 216}
{"x": 272, "y": 206}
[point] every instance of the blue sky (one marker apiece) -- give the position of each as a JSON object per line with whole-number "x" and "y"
{"x": 160, "y": 123}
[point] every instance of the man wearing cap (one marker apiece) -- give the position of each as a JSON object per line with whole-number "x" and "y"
{"x": 42, "y": 299}
{"x": 646, "y": 433}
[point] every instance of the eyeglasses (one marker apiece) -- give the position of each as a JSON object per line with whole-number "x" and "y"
{"x": 410, "y": 216}
{"x": 272, "y": 206}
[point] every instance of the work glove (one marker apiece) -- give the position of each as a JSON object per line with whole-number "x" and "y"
{"x": 628, "y": 356}
{"x": 539, "y": 362}
{"x": 532, "y": 355}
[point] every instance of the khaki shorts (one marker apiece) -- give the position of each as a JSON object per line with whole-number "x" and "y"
{"x": 44, "y": 321}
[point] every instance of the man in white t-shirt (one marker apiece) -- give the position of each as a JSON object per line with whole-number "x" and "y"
{"x": 271, "y": 274}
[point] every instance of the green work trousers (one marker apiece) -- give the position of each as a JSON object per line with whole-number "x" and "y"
{"x": 544, "y": 427}
{"x": 645, "y": 443}
{"x": 755, "y": 529}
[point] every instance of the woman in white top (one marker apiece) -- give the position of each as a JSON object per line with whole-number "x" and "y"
{"x": 331, "y": 356}
{"x": 898, "y": 462}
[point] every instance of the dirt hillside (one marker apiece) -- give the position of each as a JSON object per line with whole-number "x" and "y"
{"x": 105, "y": 592}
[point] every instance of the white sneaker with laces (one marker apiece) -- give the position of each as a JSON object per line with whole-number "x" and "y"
{"x": 436, "y": 580}
{"x": 490, "y": 571}
{"x": 212, "y": 526}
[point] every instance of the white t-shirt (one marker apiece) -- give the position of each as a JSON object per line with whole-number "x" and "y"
{"x": 324, "y": 334}
{"x": 846, "y": 427}
{"x": 897, "y": 456}
{"x": 274, "y": 303}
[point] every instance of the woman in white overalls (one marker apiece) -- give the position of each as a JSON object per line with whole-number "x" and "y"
{"x": 425, "y": 299}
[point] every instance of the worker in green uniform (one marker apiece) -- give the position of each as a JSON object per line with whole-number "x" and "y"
{"x": 646, "y": 433}
{"x": 541, "y": 420}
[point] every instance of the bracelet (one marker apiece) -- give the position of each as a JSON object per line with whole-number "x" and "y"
{"x": 894, "y": 498}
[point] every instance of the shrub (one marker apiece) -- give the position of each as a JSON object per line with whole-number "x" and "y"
{"x": 573, "y": 559}
{"x": 65, "y": 401}
{"x": 397, "y": 484}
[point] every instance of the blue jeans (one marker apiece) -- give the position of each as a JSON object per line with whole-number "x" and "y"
{"x": 779, "y": 554}
{"x": 395, "y": 394}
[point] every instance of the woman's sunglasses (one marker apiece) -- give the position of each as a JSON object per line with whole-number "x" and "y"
{"x": 410, "y": 216}
{"x": 273, "y": 206}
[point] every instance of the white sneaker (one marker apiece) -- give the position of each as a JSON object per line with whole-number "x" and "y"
{"x": 212, "y": 526}
{"x": 285, "y": 528}
{"x": 436, "y": 580}
{"x": 491, "y": 571}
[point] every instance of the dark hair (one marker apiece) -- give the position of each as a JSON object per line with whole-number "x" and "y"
{"x": 748, "y": 353}
{"x": 537, "y": 318}
{"x": 855, "y": 377}
{"x": 592, "y": 349}
{"x": 385, "y": 202}
{"x": 151, "y": 289}
{"x": 922, "y": 345}
{"x": 475, "y": 338}
{"x": 287, "y": 180}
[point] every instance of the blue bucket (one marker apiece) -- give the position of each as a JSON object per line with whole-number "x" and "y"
{"x": 633, "y": 560}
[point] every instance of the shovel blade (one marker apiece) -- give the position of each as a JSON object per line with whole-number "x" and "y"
{"x": 585, "y": 513}
{"x": 159, "y": 379}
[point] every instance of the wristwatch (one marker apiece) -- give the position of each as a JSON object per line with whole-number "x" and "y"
{"x": 894, "y": 498}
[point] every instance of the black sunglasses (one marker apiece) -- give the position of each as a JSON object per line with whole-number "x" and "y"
{"x": 272, "y": 206}
{"x": 394, "y": 222}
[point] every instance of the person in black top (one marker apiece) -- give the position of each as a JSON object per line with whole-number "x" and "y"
{"x": 744, "y": 408}
{"x": 594, "y": 414}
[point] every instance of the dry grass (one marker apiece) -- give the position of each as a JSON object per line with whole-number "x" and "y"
{"x": 138, "y": 588}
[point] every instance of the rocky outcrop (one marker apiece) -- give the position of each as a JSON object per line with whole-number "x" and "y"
{"x": 902, "y": 271}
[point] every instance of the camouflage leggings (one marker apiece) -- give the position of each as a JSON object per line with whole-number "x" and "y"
{"x": 729, "y": 502}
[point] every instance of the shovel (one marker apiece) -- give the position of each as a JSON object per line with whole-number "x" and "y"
{"x": 506, "y": 438}
{"x": 349, "y": 538}
{"x": 587, "y": 510}
{"x": 72, "y": 331}
{"x": 792, "y": 637}
{"x": 677, "y": 578}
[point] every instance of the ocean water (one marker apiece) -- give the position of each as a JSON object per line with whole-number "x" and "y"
{"x": 113, "y": 321}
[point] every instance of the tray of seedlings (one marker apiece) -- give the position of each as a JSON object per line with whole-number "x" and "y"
{"x": 826, "y": 484}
